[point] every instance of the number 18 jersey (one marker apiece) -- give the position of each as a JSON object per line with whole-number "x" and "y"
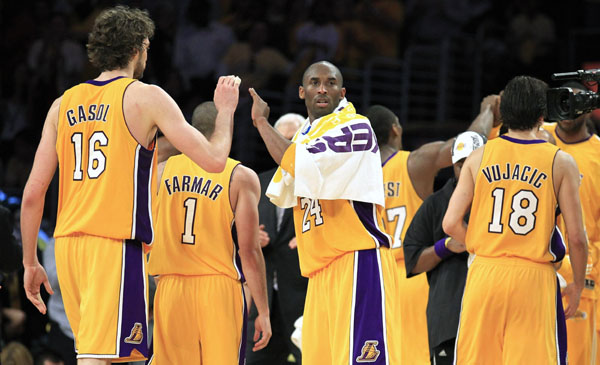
{"x": 514, "y": 204}
{"x": 105, "y": 176}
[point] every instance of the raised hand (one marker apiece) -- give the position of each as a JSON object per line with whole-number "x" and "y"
{"x": 259, "y": 107}
{"x": 227, "y": 93}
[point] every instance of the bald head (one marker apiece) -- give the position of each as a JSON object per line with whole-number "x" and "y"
{"x": 288, "y": 124}
{"x": 204, "y": 118}
{"x": 311, "y": 69}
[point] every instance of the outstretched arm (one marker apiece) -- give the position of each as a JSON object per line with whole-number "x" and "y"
{"x": 32, "y": 208}
{"x": 245, "y": 193}
{"x": 275, "y": 142}
{"x": 162, "y": 110}
{"x": 425, "y": 162}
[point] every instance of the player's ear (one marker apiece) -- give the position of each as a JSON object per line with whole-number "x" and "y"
{"x": 342, "y": 93}
{"x": 301, "y": 92}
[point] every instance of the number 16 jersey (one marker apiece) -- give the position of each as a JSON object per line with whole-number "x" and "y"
{"x": 105, "y": 176}
{"x": 514, "y": 204}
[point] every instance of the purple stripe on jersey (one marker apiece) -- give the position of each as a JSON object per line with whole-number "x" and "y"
{"x": 366, "y": 214}
{"x": 369, "y": 337}
{"x": 581, "y": 140}
{"x": 134, "y": 331}
{"x": 561, "y": 327}
{"x": 242, "y": 353}
{"x": 143, "y": 211}
{"x": 522, "y": 141}
{"x": 389, "y": 158}
{"x": 102, "y": 83}
{"x": 557, "y": 245}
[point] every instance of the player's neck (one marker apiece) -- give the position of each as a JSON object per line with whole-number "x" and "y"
{"x": 519, "y": 134}
{"x": 108, "y": 75}
{"x": 386, "y": 151}
{"x": 577, "y": 136}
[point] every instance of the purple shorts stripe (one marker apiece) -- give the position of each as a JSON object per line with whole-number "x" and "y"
{"x": 368, "y": 319}
{"x": 143, "y": 210}
{"x": 561, "y": 327}
{"x": 242, "y": 353}
{"x": 133, "y": 325}
{"x": 366, "y": 214}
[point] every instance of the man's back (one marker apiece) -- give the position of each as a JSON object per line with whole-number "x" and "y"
{"x": 514, "y": 201}
{"x": 99, "y": 158}
{"x": 194, "y": 222}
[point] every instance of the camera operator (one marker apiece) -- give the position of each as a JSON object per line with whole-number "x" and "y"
{"x": 573, "y": 137}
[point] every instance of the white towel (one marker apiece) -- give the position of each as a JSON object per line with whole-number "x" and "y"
{"x": 337, "y": 157}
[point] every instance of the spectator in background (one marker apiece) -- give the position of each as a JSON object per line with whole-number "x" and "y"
{"x": 49, "y": 357}
{"x": 16, "y": 353}
{"x": 200, "y": 43}
{"x": 254, "y": 61}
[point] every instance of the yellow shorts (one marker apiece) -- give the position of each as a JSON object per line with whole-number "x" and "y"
{"x": 581, "y": 342}
{"x": 511, "y": 314}
{"x": 199, "y": 320}
{"x": 104, "y": 288}
{"x": 351, "y": 311}
{"x": 414, "y": 293}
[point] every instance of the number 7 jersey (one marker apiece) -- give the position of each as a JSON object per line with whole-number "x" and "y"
{"x": 514, "y": 204}
{"x": 105, "y": 176}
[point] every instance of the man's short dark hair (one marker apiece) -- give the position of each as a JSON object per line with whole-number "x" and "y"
{"x": 338, "y": 73}
{"x": 204, "y": 118}
{"x": 381, "y": 119}
{"x": 117, "y": 34}
{"x": 523, "y": 102}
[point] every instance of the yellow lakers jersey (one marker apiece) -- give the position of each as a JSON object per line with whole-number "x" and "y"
{"x": 194, "y": 222}
{"x": 401, "y": 200}
{"x": 514, "y": 204}
{"x": 587, "y": 156}
{"x": 105, "y": 176}
{"x": 327, "y": 229}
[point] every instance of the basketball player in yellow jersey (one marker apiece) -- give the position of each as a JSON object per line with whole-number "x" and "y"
{"x": 573, "y": 137}
{"x": 199, "y": 262}
{"x": 102, "y": 134}
{"x": 511, "y": 308}
{"x": 331, "y": 175}
{"x": 408, "y": 178}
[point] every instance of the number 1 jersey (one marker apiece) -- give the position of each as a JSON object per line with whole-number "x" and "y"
{"x": 514, "y": 204}
{"x": 105, "y": 176}
{"x": 194, "y": 222}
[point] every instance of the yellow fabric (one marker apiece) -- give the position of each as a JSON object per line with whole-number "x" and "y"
{"x": 328, "y": 229}
{"x": 193, "y": 227}
{"x": 414, "y": 294}
{"x": 581, "y": 332}
{"x": 401, "y": 200}
{"x": 91, "y": 291}
{"x": 198, "y": 320}
{"x": 98, "y": 158}
{"x": 326, "y": 327}
{"x": 510, "y": 217}
{"x": 493, "y": 327}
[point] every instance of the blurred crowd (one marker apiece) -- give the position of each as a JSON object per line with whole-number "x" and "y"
{"x": 268, "y": 43}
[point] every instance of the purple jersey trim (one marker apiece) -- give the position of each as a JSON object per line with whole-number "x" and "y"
{"x": 389, "y": 158}
{"x": 102, "y": 83}
{"x": 561, "y": 328}
{"x": 522, "y": 141}
{"x": 242, "y": 351}
{"x": 366, "y": 214}
{"x": 133, "y": 302}
{"x": 580, "y": 141}
{"x": 557, "y": 245}
{"x": 143, "y": 210}
{"x": 368, "y": 316}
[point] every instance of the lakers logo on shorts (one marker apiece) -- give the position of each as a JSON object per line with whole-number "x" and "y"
{"x": 136, "y": 335}
{"x": 369, "y": 352}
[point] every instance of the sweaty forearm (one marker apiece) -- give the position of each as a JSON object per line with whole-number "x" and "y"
{"x": 254, "y": 270}
{"x": 220, "y": 141}
{"x": 31, "y": 217}
{"x": 578, "y": 255}
{"x": 275, "y": 142}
